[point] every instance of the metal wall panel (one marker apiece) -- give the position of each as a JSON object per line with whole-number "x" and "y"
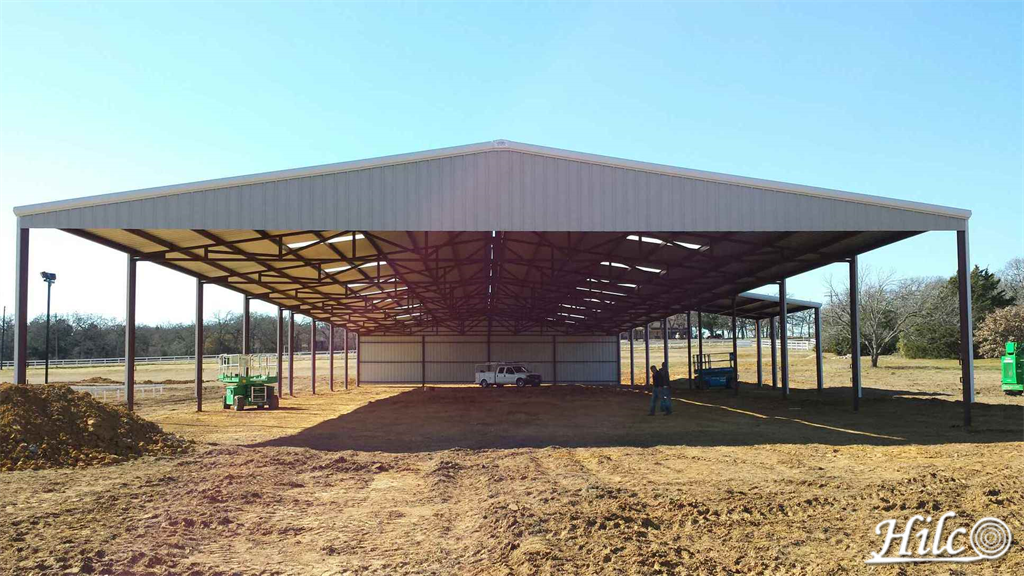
{"x": 452, "y": 359}
{"x": 495, "y": 190}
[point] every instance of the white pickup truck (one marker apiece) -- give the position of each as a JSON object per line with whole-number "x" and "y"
{"x": 501, "y": 373}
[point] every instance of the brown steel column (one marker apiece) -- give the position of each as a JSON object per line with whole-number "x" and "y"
{"x": 760, "y": 369}
{"x": 689, "y": 351}
{"x": 647, "y": 354}
{"x": 359, "y": 357}
{"x": 199, "y": 345}
{"x": 312, "y": 354}
{"x": 618, "y": 356}
{"x": 632, "y": 367}
{"x": 855, "y": 332}
{"x": 291, "y": 353}
{"x": 700, "y": 338}
{"x": 345, "y": 349}
{"x": 784, "y": 344}
{"x": 735, "y": 353}
{"x": 818, "y": 365}
{"x": 330, "y": 355}
{"x": 664, "y": 343}
{"x": 554, "y": 358}
{"x": 21, "y": 306}
{"x": 423, "y": 361}
{"x": 963, "y": 251}
{"x": 280, "y": 351}
{"x": 775, "y": 369}
{"x": 129, "y": 335}
{"x": 246, "y": 331}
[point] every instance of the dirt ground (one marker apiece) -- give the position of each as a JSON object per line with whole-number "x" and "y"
{"x": 559, "y": 480}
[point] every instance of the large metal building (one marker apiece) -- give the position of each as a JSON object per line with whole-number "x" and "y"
{"x": 498, "y": 250}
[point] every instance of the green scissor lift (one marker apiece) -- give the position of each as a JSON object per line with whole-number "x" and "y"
{"x": 250, "y": 380}
{"x": 1013, "y": 370}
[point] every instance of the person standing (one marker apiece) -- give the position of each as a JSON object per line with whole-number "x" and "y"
{"x": 659, "y": 390}
{"x": 666, "y": 390}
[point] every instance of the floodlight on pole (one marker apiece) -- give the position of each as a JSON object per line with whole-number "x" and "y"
{"x": 49, "y": 278}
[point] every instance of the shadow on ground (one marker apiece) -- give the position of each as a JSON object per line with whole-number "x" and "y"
{"x": 577, "y": 416}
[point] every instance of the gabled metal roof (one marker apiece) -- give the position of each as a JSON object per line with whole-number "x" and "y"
{"x": 499, "y": 185}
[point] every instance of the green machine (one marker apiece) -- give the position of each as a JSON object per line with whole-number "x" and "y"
{"x": 1013, "y": 370}
{"x": 250, "y": 380}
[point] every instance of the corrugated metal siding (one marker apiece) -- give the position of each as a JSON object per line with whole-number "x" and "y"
{"x": 495, "y": 190}
{"x": 452, "y": 359}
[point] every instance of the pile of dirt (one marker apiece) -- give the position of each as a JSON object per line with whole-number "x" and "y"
{"x": 99, "y": 380}
{"x": 53, "y": 426}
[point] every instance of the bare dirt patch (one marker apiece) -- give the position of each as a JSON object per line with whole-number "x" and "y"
{"x": 552, "y": 480}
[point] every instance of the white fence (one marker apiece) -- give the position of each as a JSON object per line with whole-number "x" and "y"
{"x": 791, "y": 343}
{"x": 62, "y": 362}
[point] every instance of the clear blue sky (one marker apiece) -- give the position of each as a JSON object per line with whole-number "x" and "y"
{"x": 916, "y": 101}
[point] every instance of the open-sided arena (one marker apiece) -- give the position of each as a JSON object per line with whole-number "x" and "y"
{"x": 446, "y": 260}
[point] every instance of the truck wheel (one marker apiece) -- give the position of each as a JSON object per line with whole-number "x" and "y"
{"x": 239, "y": 403}
{"x": 485, "y": 383}
{"x": 520, "y": 382}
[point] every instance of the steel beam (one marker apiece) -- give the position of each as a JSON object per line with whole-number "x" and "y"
{"x": 280, "y": 352}
{"x": 246, "y": 331}
{"x": 664, "y": 342}
{"x": 632, "y": 366}
{"x": 760, "y": 368}
{"x": 199, "y": 348}
{"x": 818, "y": 364}
{"x": 129, "y": 334}
{"x": 312, "y": 354}
{"x": 21, "y": 306}
{"x": 359, "y": 358}
{"x": 291, "y": 353}
{"x": 618, "y": 356}
{"x": 344, "y": 333}
{"x": 855, "y": 332}
{"x": 700, "y": 337}
{"x": 784, "y": 344}
{"x": 330, "y": 356}
{"x": 647, "y": 354}
{"x": 689, "y": 351}
{"x": 775, "y": 355}
{"x": 963, "y": 251}
{"x": 423, "y": 361}
{"x": 735, "y": 353}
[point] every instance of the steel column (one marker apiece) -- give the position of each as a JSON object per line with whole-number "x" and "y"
{"x": 423, "y": 361}
{"x": 963, "y": 251}
{"x": 760, "y": 369}
{"x": 818, "y": 365}
{"x": 199, "y": 348}
{"x": 554, "y": 357}
{"x": 21, "y": 307}
{"x": 345, "y": 349}
{"x": 773, "y": 336}
{"x": 246, "y": 332}
{"x": 784, "y": 344}
{"x": 618, "y": 356}
{"x": 330, "y": 356}
{"x": 735, "y": 354}
{"x": 700, "y": 338}
{"x": 689, "y": 351}
{"x": 632, "y": 367}
{"x": 280, "y": 351}
{"x": 129, "y": 335}
{"x": 291, "y": 353}
{"x": 647, "y": 354}
{"x": 664, "y": 352}
{"x": 312, "y": 354}
{"x": 359, "y": 358}
{"x": 855, "y": 332}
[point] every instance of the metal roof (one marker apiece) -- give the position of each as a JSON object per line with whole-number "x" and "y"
{"x": 499, "y": 185}
{"x": 755, "y": 306}
{"x": 495, "y": 236}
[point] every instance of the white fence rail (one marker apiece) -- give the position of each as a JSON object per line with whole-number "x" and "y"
{"x": 61, "y": 362}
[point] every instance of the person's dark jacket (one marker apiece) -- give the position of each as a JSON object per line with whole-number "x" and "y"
{"x": 663, "y": 377}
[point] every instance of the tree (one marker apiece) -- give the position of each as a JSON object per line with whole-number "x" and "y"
{"x": 886, "y": 304}
{"x": 1002, "y": 326}
{"x": 1012, "y": 278}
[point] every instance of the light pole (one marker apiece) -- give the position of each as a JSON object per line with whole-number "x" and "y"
{"x": 49, "y": 278}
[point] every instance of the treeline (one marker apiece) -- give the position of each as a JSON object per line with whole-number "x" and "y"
{"x": 92, "y": 336}
{"x": 920, "y": 317}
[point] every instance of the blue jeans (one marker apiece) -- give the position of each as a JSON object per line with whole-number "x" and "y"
{"x": 665, "y": 396}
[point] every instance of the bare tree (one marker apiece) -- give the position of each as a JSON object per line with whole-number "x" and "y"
{"x": 887, "y": 306}
{"x": 1012, "y": 277}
